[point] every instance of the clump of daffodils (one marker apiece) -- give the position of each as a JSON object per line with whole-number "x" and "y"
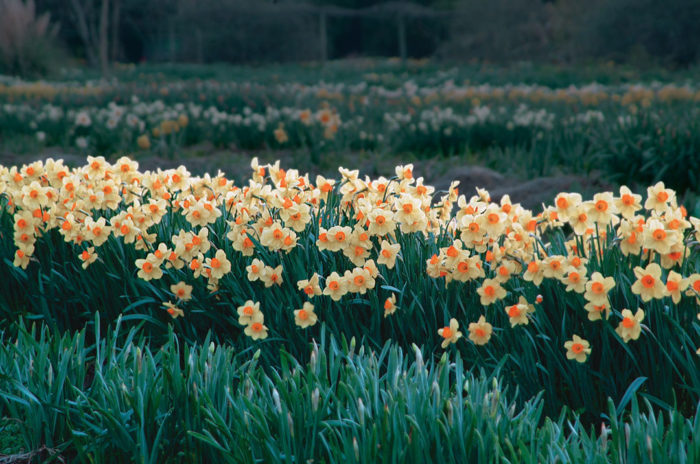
{"x": 361, "y": 225}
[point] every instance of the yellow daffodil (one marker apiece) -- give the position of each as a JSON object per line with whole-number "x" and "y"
{"x": 149, "y": 268}
{"x": 305, "y": 317}
{"x": 628, "y": 203}
{"x": 272, "y": 276}
{"x": 659, "y": 198}
{"x": 597, "y": 288}
{"x": 480, "y": 331}
{"x": 490, "y": 292}
{"x": 656, "y": 237}
{"x": 335, "y": 287}
{"x": 310, "y": 286}
{"x": 602, "y": 208}
{"x": 575, "y": 280}
{"x": 629, "y": 327}
{"x": 596, "y": 310}
{"x": 219, "y": 265}
{"x": 517, "y": 313}
{"x": 388, "y": 253}
{"x": 675, "y": 285}
{"x": 249, "y": 312}
{"x": 577, "y": 348}
{"x": 390, "y": 305}
{"x": 173, "y": 310}
{"x": 450, "y": 334}
{"x": 648, "y": 285}
{"x": 256, "y": 331}
{"x": 182, "y": 291}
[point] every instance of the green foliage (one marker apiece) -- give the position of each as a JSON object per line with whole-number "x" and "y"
{"x": 10, "y": 436}
{"x": 655, "y": 146}
{"x": 130, "y": 401}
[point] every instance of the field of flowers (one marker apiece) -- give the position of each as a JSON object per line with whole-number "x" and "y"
{"x": 635, "y": 132}
{"x": 165, "y": 316}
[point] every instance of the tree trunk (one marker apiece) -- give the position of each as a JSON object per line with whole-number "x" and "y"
{"x": 116, "y": 17}
{"x": 402, "y": 37}
{"x": 171, "y": 38}
{"x": 84, "y": 31}
{"x": 104, "y": 41}
{"x": 323, "y": 36}
{"x": 200, "y": 45}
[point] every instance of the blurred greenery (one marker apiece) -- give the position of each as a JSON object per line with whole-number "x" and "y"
{"x": 630, "y": 131}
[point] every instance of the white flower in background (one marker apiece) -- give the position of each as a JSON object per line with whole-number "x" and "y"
{"x": 482, "y": 113}
{"x": 132, "y": 120}
{"x": 117, "y": 111}
{"x": 195, "y": 110}
{"x": 81, "y": 142}
{"x": 41, "y": 136}
{"x": 83, "y": 119}
{"x": 112, "y": 123}
{"x": 55, "y": 113}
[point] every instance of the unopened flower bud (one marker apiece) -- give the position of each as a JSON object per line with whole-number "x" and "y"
{"x": 361, "y": 411}
{"x": 419, "y": 358}
{"x": 314, "y": 399}
{"x": 276, "y": 400}
{"x": 290, "y": 423}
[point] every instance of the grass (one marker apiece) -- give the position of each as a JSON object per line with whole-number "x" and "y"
{"x": 394, "y": 71}
{"x": 112, "y": 401}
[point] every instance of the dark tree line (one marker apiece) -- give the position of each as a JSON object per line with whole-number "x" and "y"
{"x": 104, "y": 31}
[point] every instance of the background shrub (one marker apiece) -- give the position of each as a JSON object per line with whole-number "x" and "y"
{"x": 27, "y": 46}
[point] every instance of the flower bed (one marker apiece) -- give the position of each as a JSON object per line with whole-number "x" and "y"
{"x": 579, "y": 301}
